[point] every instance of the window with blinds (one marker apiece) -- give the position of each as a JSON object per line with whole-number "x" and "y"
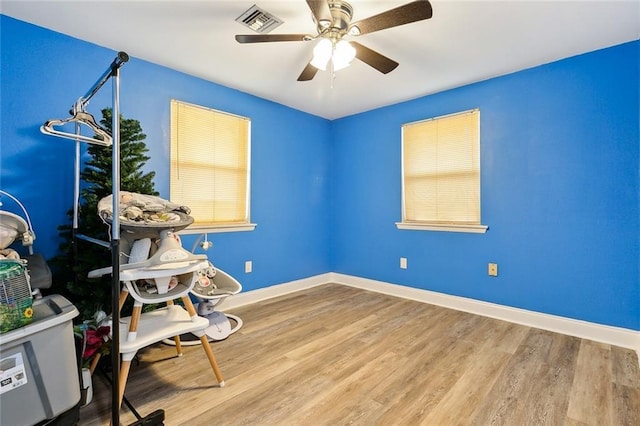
{"x": 441, "y": 171}
{"x": 210, "y": 159}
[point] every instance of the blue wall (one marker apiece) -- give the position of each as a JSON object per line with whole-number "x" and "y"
{"x": 560, "y": 176}
{"x": 559, "y": 155}
{"x": 44, "y": 72}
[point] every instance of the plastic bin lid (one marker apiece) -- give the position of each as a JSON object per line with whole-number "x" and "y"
{"x": 48, "y": 312}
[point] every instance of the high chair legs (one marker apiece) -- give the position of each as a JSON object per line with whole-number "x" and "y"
{"x": 204, "y": 340}
{"x": 133, "y": 326}
{"x": 122, "y": 380}
{"x": 212, "y": 359}
{"x": 176, "y": 339}
{"x": 157, "y": 325}
{"x": 124, "y": 293}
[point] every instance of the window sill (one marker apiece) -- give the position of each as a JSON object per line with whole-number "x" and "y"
{"x": 218, "y": 229}
{"x": 448, "y": 227}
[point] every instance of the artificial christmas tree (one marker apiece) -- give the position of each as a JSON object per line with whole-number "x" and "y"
{"x": 78, "y": 257}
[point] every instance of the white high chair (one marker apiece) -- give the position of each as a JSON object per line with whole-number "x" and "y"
{"x": 174, "y": 273}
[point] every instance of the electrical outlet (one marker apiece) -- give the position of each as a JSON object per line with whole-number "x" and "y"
{"x": 493, "y": 269}
{"x": 403, "y": 263}
{"x": 248, "y": 266}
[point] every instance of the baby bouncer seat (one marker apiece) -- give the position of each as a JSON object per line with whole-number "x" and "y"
{"x": 211, "y": 288}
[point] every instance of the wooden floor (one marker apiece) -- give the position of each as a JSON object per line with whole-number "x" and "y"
{"x": 335, "y": 355}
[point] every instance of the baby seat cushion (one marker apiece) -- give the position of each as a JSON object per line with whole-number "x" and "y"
{"x": 143, "y": 215}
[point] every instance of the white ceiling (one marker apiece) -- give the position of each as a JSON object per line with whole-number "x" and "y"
{"x": 464, "y": 42}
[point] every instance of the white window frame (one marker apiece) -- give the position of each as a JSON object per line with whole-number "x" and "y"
{"x": 450, "y": 226}
{"x": 196, "y": 228}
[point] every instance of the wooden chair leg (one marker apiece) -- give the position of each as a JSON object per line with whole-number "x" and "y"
{"x": 124, "y": 293}
{"x": 122, "y": 382}
{"x": 205, "y": 342}
{"x": 212, "y": 359}
{"x": 133, "y": 325}
{"x": 176, "y": 339}
{"x": 188, "y": 304}
{"x": 94, "y": 363}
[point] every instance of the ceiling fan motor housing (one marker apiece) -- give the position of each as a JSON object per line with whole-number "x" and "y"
{"x": 341, "y": 14}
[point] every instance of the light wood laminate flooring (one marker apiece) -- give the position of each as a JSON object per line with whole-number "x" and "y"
{"x": 336, "y": 355}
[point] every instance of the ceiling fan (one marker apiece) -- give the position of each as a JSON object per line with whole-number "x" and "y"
{"x": 333, "y": 23}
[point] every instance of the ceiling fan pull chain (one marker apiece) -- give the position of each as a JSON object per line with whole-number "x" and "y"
{"x": 333, "y": 74}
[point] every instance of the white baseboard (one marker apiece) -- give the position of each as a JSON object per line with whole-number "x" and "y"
{"x": 616, "y": 336}
{"x": 254, "y": 296}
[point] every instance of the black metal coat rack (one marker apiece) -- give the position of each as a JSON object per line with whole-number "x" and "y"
{"x": 80, "y": 117}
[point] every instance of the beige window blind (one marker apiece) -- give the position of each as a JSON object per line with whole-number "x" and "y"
{"x": 210, "y": 157}
{"x": 441, "y": 169}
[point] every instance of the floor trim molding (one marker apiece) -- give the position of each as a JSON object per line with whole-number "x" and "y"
{"x": 265, "y": 293}
{"x": 597, "y": 332}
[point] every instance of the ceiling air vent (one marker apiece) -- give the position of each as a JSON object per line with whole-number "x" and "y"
{"x": 258, "y": 20}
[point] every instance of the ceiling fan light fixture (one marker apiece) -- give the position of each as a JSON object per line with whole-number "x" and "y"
{"x": 322, "y": 54}
{"x": 340, "y": 55}
{"x": 343, "y": 54}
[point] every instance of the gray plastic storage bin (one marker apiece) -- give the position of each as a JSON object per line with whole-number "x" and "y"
{"x": 38, "y": 367}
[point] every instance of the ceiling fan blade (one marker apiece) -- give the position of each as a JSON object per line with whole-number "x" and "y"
{"x": 261, "y": 38}
{"x": 374, "y": 59}
{"x": 308, "y": 73}
{"x": 320, "y": 9}
{"x": 410, "y": 12}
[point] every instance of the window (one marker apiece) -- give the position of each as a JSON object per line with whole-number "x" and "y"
{"x": 210, "y": 167}
{"x": 441, "y": 173}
